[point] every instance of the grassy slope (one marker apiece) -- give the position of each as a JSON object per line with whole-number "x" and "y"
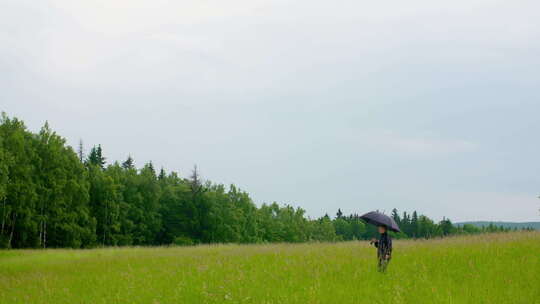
{"x": 497, "y": 268}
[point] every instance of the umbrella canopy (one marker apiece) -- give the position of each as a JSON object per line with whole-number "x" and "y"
{"x": 379, "y": 219}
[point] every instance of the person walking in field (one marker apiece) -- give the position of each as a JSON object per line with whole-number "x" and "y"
{"x": 384, "y": 248}
{"x": 384, "y": 243}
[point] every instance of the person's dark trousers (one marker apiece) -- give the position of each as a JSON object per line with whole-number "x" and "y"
{"x": 383, "y": 263}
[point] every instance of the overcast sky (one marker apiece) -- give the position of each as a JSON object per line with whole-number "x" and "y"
{"x": 362, "y": 105}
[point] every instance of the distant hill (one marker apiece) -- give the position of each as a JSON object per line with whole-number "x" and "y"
{"x": 519, "y": 225}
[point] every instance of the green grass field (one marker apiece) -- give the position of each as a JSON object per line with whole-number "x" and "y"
{"x": 495, "y": 268}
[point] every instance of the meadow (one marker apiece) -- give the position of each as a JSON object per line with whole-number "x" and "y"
{"x": 489, "y": 268}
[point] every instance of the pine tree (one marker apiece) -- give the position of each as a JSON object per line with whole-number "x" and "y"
{"x": 151, "y": 168}
{"x": 414, "y": 225}
{"x": 129, "y": 163}
{"x": 96, "y": 157}
{"x": 162, "y": 174}
{"x": 195, "y": 181}
{"x": 395, "y": 216}
{"x": 80, "y": 152}
{"x": 405, "y": 224}
{"x": 101, "y": 158}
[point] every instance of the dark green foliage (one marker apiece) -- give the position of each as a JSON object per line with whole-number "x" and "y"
{"x": 50, "y": 198}
{"x": 96, "y": 157}
{"x": 43, "y": 192}
{"x": 350, "y": 227}
{"x": 128, "y": 164}
{"x": 183, "y": 241}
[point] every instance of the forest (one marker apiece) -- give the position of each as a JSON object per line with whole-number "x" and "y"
{"x": 52, "y": 196}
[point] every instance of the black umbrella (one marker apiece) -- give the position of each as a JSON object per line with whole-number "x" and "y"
{"x": 379, "y": 219}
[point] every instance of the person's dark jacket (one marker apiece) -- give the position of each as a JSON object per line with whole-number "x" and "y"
{"x": 384, "y": 246}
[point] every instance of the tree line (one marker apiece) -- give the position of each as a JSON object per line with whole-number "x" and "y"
{"x": 53, "y": 196}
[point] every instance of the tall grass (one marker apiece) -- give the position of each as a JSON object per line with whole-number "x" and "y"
{"x": 493, "y": 268}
